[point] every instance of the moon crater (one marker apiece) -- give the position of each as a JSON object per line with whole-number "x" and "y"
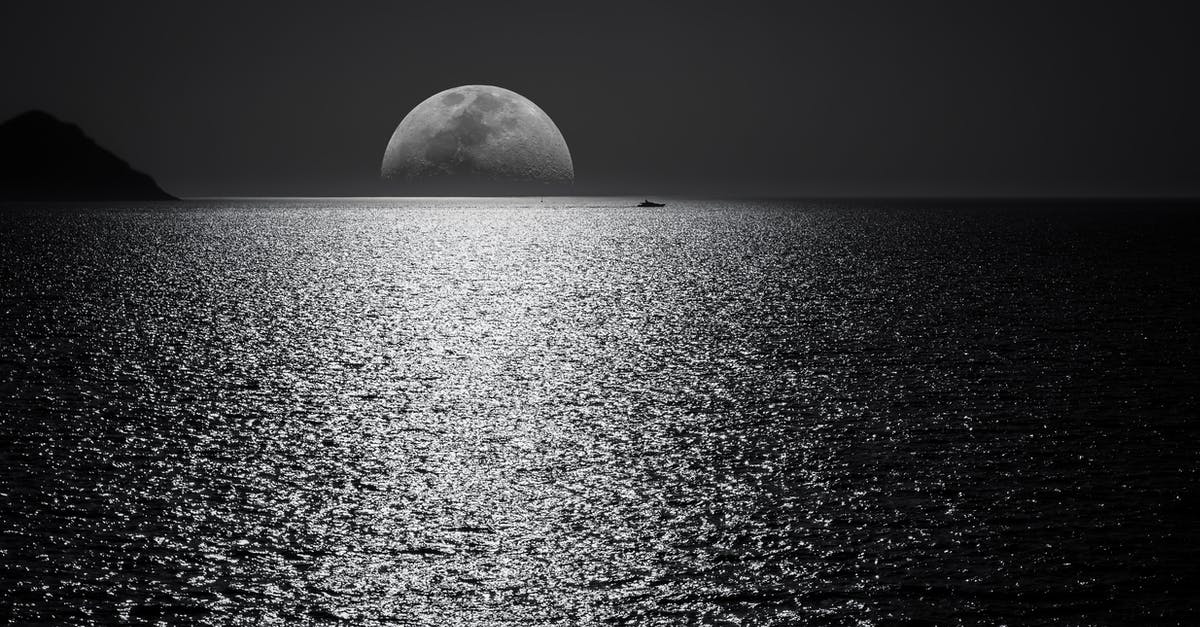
{"x": 478, "y": 133}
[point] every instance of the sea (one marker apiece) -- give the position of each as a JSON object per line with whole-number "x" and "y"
{"x": 572, "y": 411}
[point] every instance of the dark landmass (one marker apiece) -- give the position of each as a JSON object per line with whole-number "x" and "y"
{"x": 43, "y": 158}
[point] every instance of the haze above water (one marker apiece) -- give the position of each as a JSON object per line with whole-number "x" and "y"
{"x": 510, "y": 412}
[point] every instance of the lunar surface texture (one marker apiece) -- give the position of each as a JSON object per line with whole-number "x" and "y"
{"x": 477, "y": 135}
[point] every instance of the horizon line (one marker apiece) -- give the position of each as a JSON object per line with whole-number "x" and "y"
{"x": 815, "y": 198}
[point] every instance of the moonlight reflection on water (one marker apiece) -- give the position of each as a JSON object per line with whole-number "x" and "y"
{"x": 490, "y": 412}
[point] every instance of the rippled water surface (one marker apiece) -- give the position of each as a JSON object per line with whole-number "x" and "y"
{"x": 573, "y": 412}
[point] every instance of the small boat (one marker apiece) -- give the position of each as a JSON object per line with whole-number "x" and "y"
{"x": 647, "y": 203}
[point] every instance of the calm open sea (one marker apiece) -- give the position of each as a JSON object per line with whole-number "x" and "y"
{"x": 575, "y": 412}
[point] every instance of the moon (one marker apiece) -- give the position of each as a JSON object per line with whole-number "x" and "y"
{"x": 477, "y": 134}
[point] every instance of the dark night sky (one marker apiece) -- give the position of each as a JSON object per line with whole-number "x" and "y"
{"x": 740, "y": 98}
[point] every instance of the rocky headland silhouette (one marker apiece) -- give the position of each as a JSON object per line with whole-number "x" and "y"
{"x": 44, "y": 158}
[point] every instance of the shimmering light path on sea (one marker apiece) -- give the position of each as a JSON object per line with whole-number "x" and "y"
{"x": 510, "y": 412}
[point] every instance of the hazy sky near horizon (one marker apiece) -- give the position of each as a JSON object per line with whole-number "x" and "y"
{"x": 851, "y": 97}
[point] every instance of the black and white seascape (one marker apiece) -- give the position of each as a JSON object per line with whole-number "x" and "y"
{"x": 573, "y": 412}
{"x": 803, "y": 313}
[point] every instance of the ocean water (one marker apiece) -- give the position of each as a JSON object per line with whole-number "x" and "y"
{"x": 575, "y": 412}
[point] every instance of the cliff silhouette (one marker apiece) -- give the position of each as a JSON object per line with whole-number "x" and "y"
{"x": 43, "y": 158}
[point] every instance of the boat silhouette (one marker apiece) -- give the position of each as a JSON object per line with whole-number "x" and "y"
{"x": 647, "y": 203}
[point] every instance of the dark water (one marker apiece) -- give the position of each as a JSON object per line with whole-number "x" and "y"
{"x": 575, "y": 413}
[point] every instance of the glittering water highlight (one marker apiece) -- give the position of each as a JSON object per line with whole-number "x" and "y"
{"x": 574, "y": 412}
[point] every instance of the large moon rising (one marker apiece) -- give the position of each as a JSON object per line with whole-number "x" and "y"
{"x": 477, "y": 134}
